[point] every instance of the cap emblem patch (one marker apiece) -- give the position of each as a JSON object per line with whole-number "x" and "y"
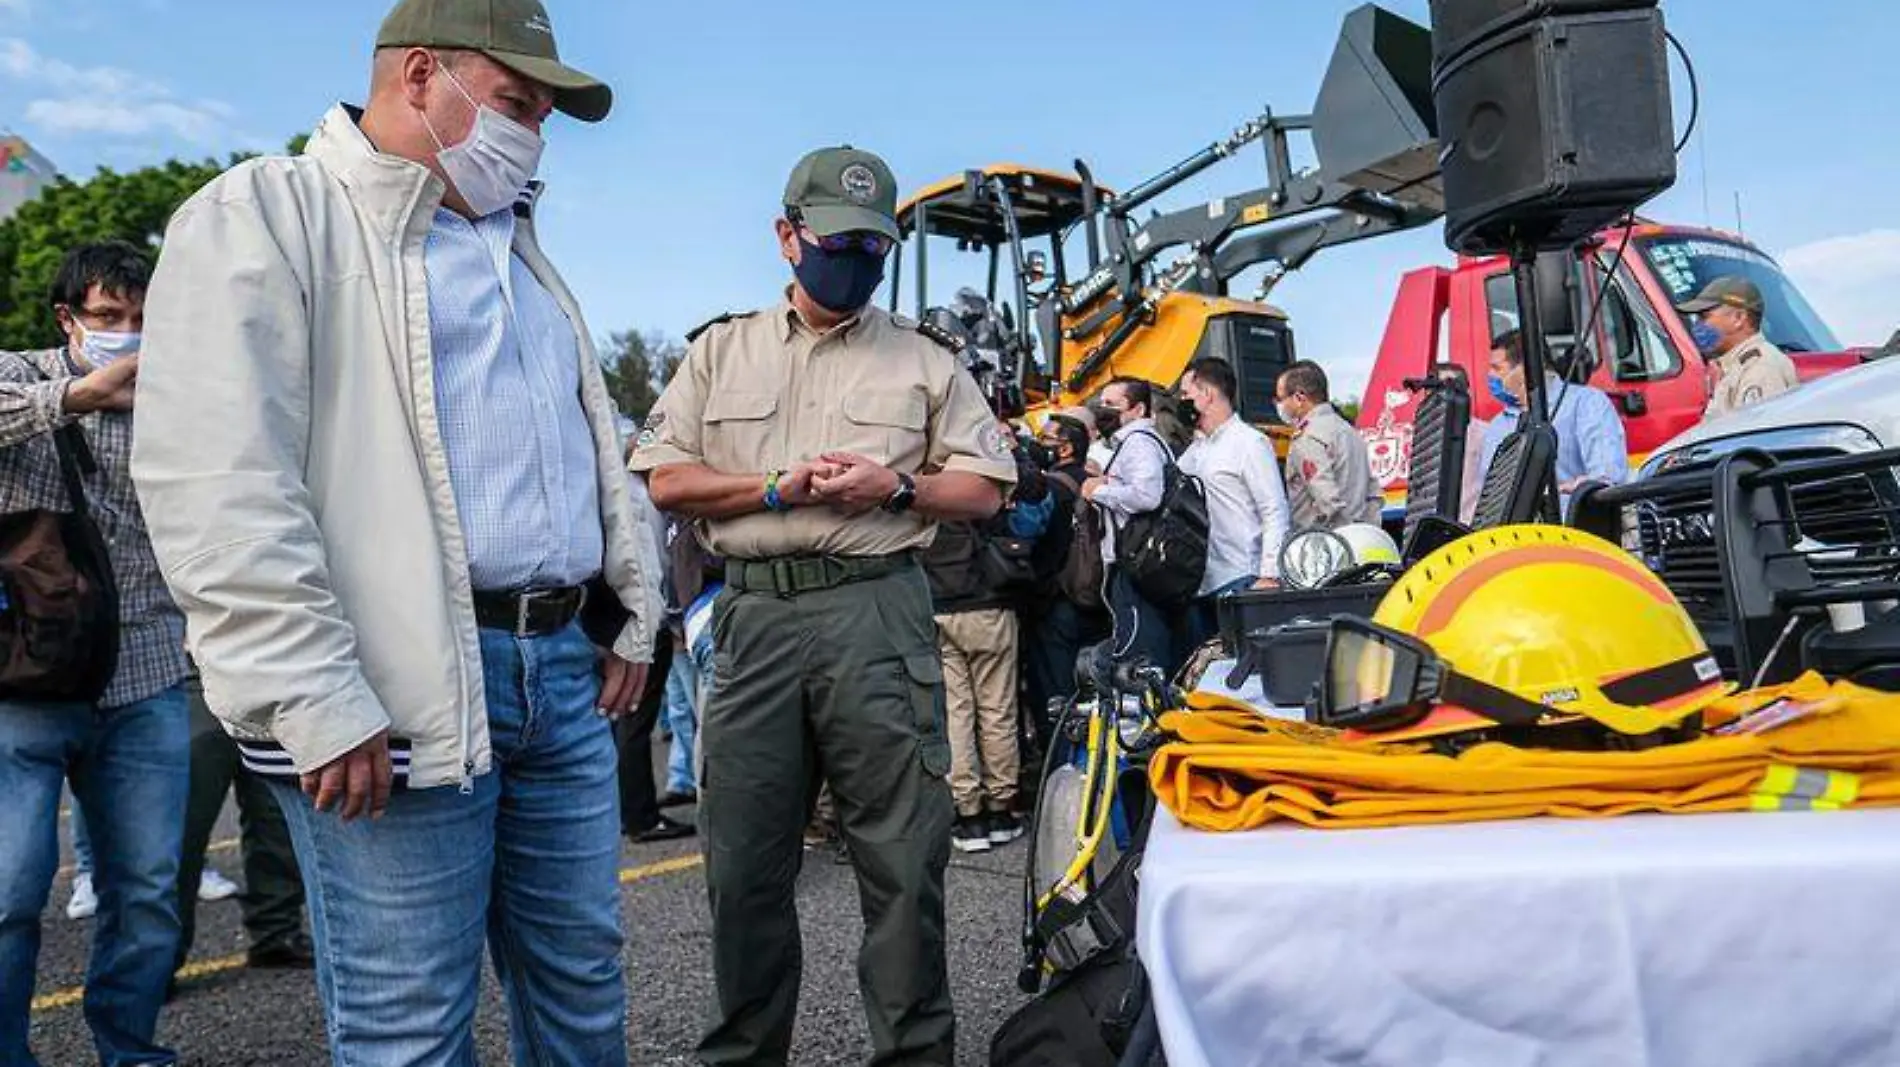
{"x": 860, "y": 184}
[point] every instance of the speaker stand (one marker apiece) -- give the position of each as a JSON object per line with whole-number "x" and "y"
{"x": 1530, "y": 322}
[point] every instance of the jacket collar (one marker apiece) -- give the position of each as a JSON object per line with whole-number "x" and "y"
{"x": 1746, "y": 351}
{"x": 1320, "y": 412}
{"x": 390, "y": 191}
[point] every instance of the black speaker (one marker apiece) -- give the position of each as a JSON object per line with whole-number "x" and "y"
{"x": 1553, "y": 129}
{"x": 1459, "y": 24}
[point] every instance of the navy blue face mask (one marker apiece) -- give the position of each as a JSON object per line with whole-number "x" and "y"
{"x": 841, "y": 282}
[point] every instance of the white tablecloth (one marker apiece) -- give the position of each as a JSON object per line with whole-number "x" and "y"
{"x": 1665, "y": 941}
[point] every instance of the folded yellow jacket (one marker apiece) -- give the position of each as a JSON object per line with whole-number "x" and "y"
{"x": 1231, "y": 769}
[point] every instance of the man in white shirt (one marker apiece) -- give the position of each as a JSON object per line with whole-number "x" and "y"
{"x": 1246, "y": 502}
{"x": 1133, "y": 483}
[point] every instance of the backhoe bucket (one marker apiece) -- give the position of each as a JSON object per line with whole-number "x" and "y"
{"x": 1373, "y": 125}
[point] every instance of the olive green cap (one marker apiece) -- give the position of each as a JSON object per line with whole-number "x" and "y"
{"x": 513, "y": 33}
{"x": 1731, "y": 290}
{"x": 844, "y": 190}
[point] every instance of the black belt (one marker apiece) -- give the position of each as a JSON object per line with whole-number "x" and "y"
{"x": 788, "y": 575}
{"x": 529, "y": 612}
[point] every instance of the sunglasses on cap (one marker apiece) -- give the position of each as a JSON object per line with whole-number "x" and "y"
{"x": 1378, "y": 680}
{"x": 872, "y": 244}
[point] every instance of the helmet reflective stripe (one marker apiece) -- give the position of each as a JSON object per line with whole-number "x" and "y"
{"x": 1446, "y": 604}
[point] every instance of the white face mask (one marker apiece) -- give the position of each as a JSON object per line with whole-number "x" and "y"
{"x": 99, "y": 347}
{"x": 1285, "y": 413}
{"x": 497, "y": 160}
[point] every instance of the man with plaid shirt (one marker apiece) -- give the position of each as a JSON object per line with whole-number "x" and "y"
{"x": 128, "y": 756}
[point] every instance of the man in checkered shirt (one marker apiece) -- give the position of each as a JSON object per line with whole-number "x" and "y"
{"x": 128, "y": 756}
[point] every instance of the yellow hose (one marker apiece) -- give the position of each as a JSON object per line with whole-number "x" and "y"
{"x": 1098, "y": 776}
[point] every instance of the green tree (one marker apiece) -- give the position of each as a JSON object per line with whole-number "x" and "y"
{"x": 637, "y": 367}
{"x": 130, "y": 207}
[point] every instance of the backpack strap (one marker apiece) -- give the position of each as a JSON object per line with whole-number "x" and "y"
{"x": 75, "y": 454}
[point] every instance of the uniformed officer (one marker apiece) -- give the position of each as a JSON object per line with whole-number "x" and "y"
{"x": 1328, "y": 474}
{"x": 1749, "y": 368}
{"x": 818, "y": 443}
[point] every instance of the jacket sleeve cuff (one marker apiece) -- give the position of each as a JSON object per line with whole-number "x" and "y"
{"x": 635, "y": 643}
{"x": 50, "y": 403}
{"x": 320, "y": 733}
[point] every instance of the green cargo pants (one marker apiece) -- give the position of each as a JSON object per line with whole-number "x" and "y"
{"x": 842, "y": 684}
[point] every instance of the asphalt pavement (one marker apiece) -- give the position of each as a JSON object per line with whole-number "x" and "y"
{"x": 228, "y": 1016}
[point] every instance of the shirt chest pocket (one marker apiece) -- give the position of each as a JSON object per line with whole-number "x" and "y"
{"x": 887, "y": 425}
{"x": 739, "y": 429}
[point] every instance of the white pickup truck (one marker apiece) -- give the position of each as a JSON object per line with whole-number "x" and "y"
{"x": 1779, "y": 528}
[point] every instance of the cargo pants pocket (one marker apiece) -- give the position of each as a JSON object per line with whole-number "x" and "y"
{"x": 923, "y": 677}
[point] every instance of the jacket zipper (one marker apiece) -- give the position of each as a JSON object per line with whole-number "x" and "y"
{"x": 467, "y": 785}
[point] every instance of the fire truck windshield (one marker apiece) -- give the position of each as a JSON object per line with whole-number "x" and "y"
{"x": 1685, "y": 264}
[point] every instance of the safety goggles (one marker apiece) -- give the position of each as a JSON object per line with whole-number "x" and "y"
{"x": 1378, "y": 680}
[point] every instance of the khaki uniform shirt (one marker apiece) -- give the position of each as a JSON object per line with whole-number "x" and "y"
{"x": 1751, "y": 372}
{"x": 764, "y": 392}
{"x": 1329, "y": 475}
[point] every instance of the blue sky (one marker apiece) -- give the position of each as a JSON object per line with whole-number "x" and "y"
{"x": 661, "y": 216}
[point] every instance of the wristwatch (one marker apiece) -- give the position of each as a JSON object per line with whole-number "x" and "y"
{"x": 903, "y": 496}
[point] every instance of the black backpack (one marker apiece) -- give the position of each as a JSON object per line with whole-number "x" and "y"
{"x": 1079, "y": 578}
{"x": 1164, "y": 551}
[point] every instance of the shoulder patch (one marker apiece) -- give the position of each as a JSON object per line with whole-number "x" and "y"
{"x": 938, "y": 334}
{"x": 730, "y": 316}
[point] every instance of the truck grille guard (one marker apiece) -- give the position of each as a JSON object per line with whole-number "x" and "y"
{"x": 1757, "y": 545}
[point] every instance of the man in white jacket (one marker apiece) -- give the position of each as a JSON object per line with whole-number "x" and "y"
{"x": 384, "y": 483}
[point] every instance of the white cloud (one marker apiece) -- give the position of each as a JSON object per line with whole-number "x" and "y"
{"x": 107, "y": 100}
{"x": 1853, "y": 281}
{"x": 200, "y": 126}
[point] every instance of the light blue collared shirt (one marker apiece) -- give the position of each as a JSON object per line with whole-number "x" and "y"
{"x": 1590, "y": 441}
{"x": 508, "y": 401}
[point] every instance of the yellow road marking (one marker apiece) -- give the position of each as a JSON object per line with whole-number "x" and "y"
{"x": 653, "y": 870}
{"x": 66, "y": 998}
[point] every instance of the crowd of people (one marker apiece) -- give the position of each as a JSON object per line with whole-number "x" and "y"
{"x": 350, "y": 436}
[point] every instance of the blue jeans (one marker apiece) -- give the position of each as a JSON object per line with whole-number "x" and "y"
{"x": 399, "y": 907}
{"x": 1142, "y": 630}
{"x": 1202, "y": 623}
{"x": 130, "y": 768}
{"x": 682, "y": 717}
{"x": 82, "y": 842}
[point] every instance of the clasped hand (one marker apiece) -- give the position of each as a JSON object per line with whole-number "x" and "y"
{"x": 845, "y": 482}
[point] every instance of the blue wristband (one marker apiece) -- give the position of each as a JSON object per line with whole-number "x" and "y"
{"x": 773, "y": 501}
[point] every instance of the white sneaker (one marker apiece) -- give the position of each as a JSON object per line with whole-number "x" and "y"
{"x": 85, "y": 903}
{"x": 214, "y": 886}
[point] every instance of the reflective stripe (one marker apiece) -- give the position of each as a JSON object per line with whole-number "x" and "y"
{"x": 1764, "y": 802}
{"x": 1786, "y": 788}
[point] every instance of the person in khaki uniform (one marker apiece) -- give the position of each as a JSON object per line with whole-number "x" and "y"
{"x": 1328, "y": 474}
{"x": 817, "y": 444}
{"x": 977, "y": 635}
{"x": 1749, "y": 368}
